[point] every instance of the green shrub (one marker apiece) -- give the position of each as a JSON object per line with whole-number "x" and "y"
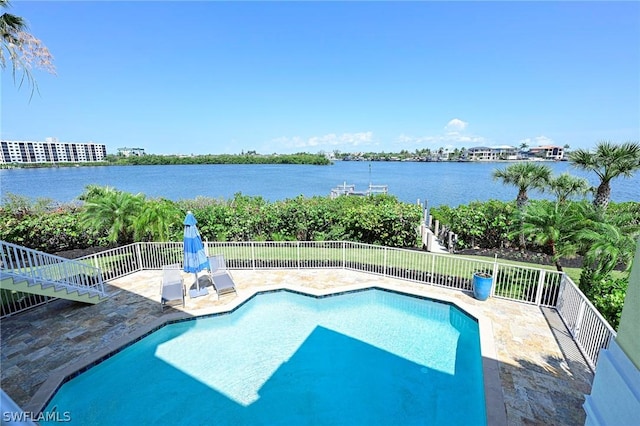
{"x": 606, "y": 293}
{"x": 479, "y": 224}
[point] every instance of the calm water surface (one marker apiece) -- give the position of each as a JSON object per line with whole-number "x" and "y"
{"x": 438, "y": 183}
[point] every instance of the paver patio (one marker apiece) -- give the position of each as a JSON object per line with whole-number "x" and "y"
{"x": 542, "y": 375}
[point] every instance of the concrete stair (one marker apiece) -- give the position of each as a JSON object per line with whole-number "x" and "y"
{"x": 58, "y": 289}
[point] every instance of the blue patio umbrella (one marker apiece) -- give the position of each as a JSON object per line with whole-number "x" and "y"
{"x": 195, "y": 258}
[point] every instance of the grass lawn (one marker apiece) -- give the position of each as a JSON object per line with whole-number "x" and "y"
{"x": 573, "y": 273}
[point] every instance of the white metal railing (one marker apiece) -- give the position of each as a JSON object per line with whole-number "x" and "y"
{"x": 46, "y": 270}
{"x": 535, "y": 286}
{"x": 589, "y": 329}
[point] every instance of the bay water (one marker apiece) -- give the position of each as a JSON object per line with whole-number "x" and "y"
{"x": 437, "y": 183}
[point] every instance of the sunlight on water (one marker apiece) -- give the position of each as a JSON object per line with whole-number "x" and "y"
{"x": 266, "y": 335}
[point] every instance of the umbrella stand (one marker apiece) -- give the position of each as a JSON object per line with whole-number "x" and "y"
{"x": 198, "y": 292}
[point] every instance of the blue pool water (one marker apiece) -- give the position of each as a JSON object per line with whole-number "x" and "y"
{"x": 369, "y": 357}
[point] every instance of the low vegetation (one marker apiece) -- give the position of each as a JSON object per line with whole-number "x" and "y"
{"x": 108, "y": 216}
{"x": 169, "y": 160}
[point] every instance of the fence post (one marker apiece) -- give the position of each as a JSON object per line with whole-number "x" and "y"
{"x": 139, "y": 256}
{"x": 384, "y": 268}
{"x": 541, "y": 280}
{"x": 344, "y": 255}
{"x": 94, "y": 261}
{"x": 495, "y": 276}
{"x": 559, "y": 303}
{"x": 253, "y": 255}
{"x": 298, "y": 252}
{"x": 580, "y": 317}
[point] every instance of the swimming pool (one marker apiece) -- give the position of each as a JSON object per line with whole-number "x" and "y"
{"x": 366, "y": 357}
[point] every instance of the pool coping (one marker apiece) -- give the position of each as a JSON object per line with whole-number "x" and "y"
{"x": 494, "y": 399}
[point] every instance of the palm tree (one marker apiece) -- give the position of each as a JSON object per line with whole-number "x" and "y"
{"x": 565, "y": 186}
{"x": 554, "y": 226}
{"x": 114, "y": 212}
{"x": 22, "y": 49}
{"x": 609, "y": 244}
{"x": 524, "y": 176}
{"x": 158, "y": 221}
{"x": 608, "y": 161}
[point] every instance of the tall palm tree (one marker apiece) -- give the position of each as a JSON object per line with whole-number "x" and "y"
{"x": 22, "y": 49}
{"x": 566, "y": 186}
{"x": 524, "y": 176}
{"x": 608, "y": 161}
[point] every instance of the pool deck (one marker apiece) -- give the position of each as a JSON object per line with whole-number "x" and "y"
{"x": 533, "y": 373}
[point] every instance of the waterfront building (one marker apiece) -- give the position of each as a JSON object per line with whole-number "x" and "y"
{"x": 50, "y": 151}
{"x": 495, "y": 153}
{"x": 129, "y": 152}
{"x": 547, "y": 152}
{"x": 506, "y": 152}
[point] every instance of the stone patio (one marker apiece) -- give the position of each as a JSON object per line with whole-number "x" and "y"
{"x": 540, "y": 375}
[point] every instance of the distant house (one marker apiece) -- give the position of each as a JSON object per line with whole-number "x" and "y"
{"x": 128, "y": 152}
{"x": 547, "y": 152}
{"x": 493, "y": 153}
{"x": 50, "y": 151}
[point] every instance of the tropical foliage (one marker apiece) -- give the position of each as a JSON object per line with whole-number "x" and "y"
{"x": 524, "y": 176}
{"x": 110, "y": 216}
{"x": 566, "y": 186}
{"x": 44, "y": 225}
{"x": 252, "y": 158}
{"x": 480, "y": 224}
{"x": 22, "y": 49}
{"x": 126, "y": 218}
{"x": 608, "y": 162}
{"x": 554, "y": 225}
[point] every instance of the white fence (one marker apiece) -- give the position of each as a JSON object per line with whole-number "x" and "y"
{"x": 518, "y": 283}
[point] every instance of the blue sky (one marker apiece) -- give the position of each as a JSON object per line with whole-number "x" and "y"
{"x": 219, "y": 77}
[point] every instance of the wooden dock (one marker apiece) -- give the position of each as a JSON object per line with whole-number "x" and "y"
{"x": 345, "y": 189}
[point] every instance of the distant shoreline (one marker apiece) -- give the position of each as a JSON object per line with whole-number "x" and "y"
{"x": 172, "y": 160}
{"x": 262, "y": 162}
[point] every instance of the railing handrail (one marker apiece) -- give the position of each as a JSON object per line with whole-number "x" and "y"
{"x": 41, "y": 267}
{"x": 590, "y": 305}
{"x": 27, "y": 249}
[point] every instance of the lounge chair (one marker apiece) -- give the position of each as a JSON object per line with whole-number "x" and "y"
{"x": 172, "y": 285}
{"x": 220, "y": 275}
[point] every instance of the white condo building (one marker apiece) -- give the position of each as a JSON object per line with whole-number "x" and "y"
{"x": 50, "y": 151}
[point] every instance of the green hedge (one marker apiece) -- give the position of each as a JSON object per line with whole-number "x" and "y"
{"x": 380, "y": 219}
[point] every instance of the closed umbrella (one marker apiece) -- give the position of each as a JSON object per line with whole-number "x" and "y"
{"x": 195, "y": 258}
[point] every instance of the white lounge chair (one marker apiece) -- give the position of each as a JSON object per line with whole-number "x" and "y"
{"x": 172, "y": 285}
{"x": 220, "y": 275}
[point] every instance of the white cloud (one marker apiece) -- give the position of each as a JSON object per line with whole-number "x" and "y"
{"x": 329, "y": 141}
{"x": 456, "y": 125}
